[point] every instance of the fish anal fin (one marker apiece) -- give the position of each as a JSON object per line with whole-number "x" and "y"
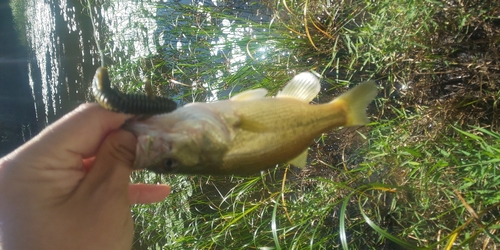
{"x": 355, "y": 101}
{"x": 304, "y": 86}
{"x": 253, "y": 94}
{"x": 300, "y": 160}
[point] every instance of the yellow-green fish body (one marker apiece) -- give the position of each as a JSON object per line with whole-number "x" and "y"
{"x": 249, "y": 132}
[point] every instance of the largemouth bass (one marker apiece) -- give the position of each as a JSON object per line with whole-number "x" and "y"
{"x": 116, "y": 101}
{"x": 247, "y": 133}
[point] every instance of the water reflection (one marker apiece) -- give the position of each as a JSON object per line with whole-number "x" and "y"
{"x": 65, "y": 56}
{"x": 60, "y": 37}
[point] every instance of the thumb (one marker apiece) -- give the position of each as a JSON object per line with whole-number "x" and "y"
{"x": 112, "y": 165}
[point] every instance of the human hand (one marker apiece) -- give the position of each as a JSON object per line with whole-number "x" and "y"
{"x": 68, "y": 188}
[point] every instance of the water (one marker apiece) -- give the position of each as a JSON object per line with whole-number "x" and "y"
{"x": 62, "y": 35}
{"x": 64, "y": 59}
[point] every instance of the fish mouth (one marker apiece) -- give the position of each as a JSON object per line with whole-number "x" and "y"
{"x": 151, "y": 152}
{"x": 128, "y": 125}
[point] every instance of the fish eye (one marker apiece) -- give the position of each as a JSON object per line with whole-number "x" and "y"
{"x": 170, "y": 165}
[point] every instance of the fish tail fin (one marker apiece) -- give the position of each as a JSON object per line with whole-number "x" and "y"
{"x": 355, "y": 102}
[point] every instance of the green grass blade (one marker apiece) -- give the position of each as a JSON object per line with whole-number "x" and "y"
{"x": 274, "y": 225}
{"x": 383, "y": 232}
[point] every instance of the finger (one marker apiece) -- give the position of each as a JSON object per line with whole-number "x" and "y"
{"x": 112, "y": 165}
{"x": 87, "y": 163}
{"x": 146, "y": 194}
{"x": 79, "y": 132}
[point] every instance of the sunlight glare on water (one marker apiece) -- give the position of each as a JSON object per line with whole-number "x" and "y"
{"x": 42, "y": 38}
{"x": 133, "y": 31}
{"x": 132, "y": 25}
{"x": 58, "y": 48}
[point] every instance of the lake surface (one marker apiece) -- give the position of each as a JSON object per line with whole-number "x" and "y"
{"x": 63, "y": 53}
{"x": 64, "y": 57}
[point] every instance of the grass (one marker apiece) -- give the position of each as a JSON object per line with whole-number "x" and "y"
{"x": 421, "y": 175}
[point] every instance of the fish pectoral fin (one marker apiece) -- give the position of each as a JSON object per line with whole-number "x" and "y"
{"x": 300, "y": 161}
{"x": 251, "y": 125}
{"x": 253, "y": 94}
{"x": 304, "y": 86}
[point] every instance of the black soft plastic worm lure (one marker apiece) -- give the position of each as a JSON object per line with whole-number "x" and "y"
{"x": 136, "y": 104}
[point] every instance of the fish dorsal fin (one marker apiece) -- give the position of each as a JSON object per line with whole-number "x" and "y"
{"x": 253, "y": 94}
{"x": 300, "y": 160}
{"x": 304, "y": 86}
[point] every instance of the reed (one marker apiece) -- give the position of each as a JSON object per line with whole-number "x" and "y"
{"x": 422, "y": 175}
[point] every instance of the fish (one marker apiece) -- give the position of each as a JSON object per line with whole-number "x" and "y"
{"x": 128, "y": 103}
{"x": 247, "y": 133}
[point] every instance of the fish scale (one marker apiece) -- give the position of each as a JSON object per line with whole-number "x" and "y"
{"x": 266, "y": 148}
{"x": 248, "y": 133}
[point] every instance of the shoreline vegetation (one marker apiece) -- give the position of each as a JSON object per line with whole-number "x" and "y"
{"x": 422, "y": 175}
